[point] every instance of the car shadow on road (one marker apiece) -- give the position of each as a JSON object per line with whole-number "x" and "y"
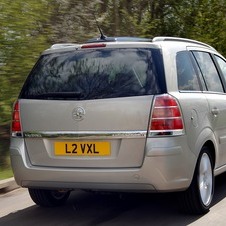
{"x": 220, "y": 188}
{"x": 89, "y": 209}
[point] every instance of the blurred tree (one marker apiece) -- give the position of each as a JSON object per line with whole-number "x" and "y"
{"x": 210, "y": 24}
{"x": 203, "y": 20}
{"x": 122, "y": 17}
{"x": 73, "y": 20}
{"x": 29, "y": 26}
{"x": 23, "y": 36}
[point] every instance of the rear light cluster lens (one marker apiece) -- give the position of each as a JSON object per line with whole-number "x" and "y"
{"x": 16, "y": 125}
{"x": 166, "y": 118}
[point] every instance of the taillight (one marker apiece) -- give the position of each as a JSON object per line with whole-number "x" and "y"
{"x": 166, "y": 118}
{"x": 16, "y": 125}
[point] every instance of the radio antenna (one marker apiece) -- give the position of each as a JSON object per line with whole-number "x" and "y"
{"x": 102, "y": 36}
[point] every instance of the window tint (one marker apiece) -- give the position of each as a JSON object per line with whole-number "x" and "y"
{"x": 222, "y": 65}
{"x": 94, "y": 74}
{"x": 209, "y": 71}
{"x": 186, "y": 75}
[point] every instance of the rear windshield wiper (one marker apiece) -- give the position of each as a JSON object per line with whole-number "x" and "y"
{"x": 58, "y": 95}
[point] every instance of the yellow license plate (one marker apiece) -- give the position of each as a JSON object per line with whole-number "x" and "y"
{"x": 82, "y": 148}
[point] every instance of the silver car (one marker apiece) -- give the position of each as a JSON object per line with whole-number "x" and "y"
{"x": 125, "y": 115}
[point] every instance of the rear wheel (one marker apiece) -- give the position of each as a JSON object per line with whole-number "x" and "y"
{"x": 197, "y": 199}
{"x": 48, "y": 198}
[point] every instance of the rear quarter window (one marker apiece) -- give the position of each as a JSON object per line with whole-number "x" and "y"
{"x": 95, "y": 74}
{"x": 222, "y": 64}
{"x": 186, "y": 74}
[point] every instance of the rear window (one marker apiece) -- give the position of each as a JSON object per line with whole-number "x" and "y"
{"x": 95, "y": 74}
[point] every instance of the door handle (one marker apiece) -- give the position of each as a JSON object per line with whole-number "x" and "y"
{"x": 215, "y": 111}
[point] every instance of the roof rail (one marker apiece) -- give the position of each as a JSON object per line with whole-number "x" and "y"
{"x": 156, "y": 39}
{"x": 119, "y": 39}
{"x": 63, "y": 45}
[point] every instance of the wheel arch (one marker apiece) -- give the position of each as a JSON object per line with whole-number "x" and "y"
{"x": 210, "y": 145}
{"x": 208, "y": 139}
{"x": 212, "y": 150}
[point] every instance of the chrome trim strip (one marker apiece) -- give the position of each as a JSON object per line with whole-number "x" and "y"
{"x": 160, "y": 133}
{"x": 86, "y": 134}
{"x": 17, "y": 134}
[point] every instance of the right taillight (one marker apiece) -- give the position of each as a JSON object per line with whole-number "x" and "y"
{"x": 16, "y": 125}
{"x": 166, "y": 118}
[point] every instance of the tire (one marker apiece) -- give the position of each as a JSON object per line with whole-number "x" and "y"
{"x": 198, "y": 197}
{"x": 48, "y": 198}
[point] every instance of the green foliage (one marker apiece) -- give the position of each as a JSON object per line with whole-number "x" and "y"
{"x": 30, "y": 26}
{"x": 5, "y": 173}
{"x": 22, "y": 38}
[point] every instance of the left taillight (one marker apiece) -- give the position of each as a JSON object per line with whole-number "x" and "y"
{"x": 166, "y": 117}
{"x": 16, "y": 124}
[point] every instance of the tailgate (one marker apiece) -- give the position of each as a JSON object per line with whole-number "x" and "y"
{"x": 88, "y": 133}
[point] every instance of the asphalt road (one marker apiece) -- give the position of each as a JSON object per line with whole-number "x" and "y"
{"x": 87, "y": 209}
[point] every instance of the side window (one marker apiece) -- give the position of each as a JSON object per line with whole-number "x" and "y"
{"x": 222, "y": 65}
{"x": 186, "y": 75}
{"x": 209, "y": 71}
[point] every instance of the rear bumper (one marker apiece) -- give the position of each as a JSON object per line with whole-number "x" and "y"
{"x": 166, "y": 167}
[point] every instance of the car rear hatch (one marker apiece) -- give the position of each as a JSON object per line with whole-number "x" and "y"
{"x": 90, "y": 107}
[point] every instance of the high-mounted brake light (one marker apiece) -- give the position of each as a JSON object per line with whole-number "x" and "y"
{"x": 166, "y": 118}
{"x": 93, "y": 45}
{"x": 16, "y": 125}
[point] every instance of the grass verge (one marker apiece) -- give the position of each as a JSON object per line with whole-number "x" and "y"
{"x": 5, "y": 167}
{"x": 6, "y": 173}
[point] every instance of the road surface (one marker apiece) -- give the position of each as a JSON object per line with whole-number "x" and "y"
{"x": 88, "y": 209}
